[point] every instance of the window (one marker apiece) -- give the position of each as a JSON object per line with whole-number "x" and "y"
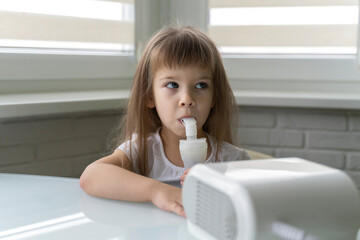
{"x": 301, "y": 50}
{"x": 66, "y": 45}
{"x": 48, "y": 47}
{"x": 67, "y": 25}
{"x": 282, "y": 27}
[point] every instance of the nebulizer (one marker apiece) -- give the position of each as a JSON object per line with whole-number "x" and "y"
{"x": 193, "y": 150}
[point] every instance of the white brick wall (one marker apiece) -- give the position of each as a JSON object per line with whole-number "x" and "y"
{"x": 354, "y": 122}
{"x": 316, "y": 121}
{"x": 330, "y": 137}
{"x": 60, "y": 145}
{"x": 16, "y": 154}
{"x": 271, "y": 137}
{"x": 353, "y": 161}
{"x": 64, "y": 145}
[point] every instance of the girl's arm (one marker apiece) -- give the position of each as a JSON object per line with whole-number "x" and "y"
{"x": 111, "y": 177}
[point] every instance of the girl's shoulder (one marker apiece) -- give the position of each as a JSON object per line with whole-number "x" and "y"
{"x": 228, "y": 151}
{"x": 131, "y": 150}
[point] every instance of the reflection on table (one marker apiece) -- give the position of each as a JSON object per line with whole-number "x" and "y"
{"x": 41, "y": 207}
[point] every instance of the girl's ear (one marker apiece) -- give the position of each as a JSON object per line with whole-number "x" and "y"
{"x": 151, "y": 102}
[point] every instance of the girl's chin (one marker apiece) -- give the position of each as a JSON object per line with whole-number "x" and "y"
{"x": 179, "y": 133}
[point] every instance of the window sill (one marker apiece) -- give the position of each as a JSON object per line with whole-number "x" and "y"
{"x": 298, "y": 99}
{"x": 22, "y": 105}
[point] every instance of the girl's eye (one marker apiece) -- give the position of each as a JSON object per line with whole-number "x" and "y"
{"x": 172, "y": 85}
{"x": 201, "y": 85}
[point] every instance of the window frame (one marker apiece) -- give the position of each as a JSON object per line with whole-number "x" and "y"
{"x": 21, "y": 69}
{"x": 24, "y": 73}
{"x": 332, "y": 81}
{"x": 333, "y": 76}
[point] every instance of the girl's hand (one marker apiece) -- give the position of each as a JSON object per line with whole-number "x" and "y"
{"x": 182, "y": 178}
{"x": 168, "y": 198}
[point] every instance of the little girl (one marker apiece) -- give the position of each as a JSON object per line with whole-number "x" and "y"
{"x": 180, "y": 75}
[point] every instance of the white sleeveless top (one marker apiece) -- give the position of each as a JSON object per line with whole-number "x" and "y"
{"x": 161, "y": 169}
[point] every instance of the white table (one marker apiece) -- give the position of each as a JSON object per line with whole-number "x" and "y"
{"x": 42, "y": 207}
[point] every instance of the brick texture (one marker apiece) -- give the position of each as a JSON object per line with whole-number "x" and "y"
{"x": 54, "y": 145}
{"x": 68, "y": 148}
{"x": 29, "y": 130}
{"x": 355, "y": 122}
{"x": 250, "y": 118}
{"x": 353, "y": 161}
{"x": 66, "y": 167}
{"x": 264, "y": 137}
{"x": 329, "y": 137}
{"x": 11, "y": 155}
{"x": 334, "y": 140}
{"x": 85, "y": 126}
{"x": 329, "y": 158}
{"x": 312, "y": 121}
{"x": 63, "y": 145}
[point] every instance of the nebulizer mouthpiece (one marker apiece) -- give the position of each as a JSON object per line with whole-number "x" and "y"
{"x": 192, "y": 150}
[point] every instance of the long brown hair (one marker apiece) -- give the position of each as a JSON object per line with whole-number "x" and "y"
{"x": 173, "y": 47}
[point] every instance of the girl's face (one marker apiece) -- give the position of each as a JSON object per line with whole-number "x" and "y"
{"x": 179, "y": 93}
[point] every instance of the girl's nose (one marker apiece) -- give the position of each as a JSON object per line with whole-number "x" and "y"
{"x": 187, "y": 100}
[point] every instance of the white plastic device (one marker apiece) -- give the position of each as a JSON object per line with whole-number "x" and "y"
{"x": 192, "y": 150}
{"x": 272, "y": 199}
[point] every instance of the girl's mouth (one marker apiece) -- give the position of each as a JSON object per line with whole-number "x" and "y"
{"x": 180, "y": 119}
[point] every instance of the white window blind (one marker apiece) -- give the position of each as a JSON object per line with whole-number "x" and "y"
{"x": 284, "y": 26}
{"x": 105, "y": 25}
